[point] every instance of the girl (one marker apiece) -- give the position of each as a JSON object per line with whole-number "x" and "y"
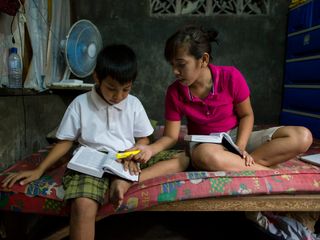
{"x": 217, "y": 99}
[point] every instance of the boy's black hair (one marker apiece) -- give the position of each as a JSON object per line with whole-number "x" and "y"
{"x": 117, "y": 61}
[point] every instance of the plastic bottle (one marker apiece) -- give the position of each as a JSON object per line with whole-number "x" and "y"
{"x": 14, "y": 69}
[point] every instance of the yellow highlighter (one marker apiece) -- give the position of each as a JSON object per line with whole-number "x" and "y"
{"x": 126, "y": 154}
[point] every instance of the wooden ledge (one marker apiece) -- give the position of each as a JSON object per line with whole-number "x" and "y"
{"x": 290, "y": 203}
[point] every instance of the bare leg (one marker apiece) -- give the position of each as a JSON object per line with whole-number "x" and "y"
{"x": 119, "y": 186}
{"x": 287, "y": 142}
{"x": 212, "y": 157}
{"x": 174, "y": 165}
{"x": 82, "y": 221}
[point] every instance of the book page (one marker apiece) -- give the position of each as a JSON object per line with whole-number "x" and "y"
{"x": 223, "y": 138}
{"x": 229, "y": 144}
{"x": 90, "y": 158}
{"x": 112, "y": 166}
{"x": 313, "y": 159}
{"x": 88, "y": 161}
{"x": 212, "y": 138}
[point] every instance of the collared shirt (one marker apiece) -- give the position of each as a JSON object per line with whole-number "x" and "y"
{"x": 214, "y": 113}
{"x": 93, "y": 122}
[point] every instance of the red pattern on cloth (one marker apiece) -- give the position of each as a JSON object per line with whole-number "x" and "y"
{"x": 45, "y": 196}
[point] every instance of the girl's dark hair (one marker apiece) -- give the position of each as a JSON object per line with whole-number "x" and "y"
{"x": 194, "y": 38}
{"x": 117, "y": 61}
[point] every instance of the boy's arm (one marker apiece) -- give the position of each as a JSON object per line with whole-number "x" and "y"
{"x": 25, "y": 177}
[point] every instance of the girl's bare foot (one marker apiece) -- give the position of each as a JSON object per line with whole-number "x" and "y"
{"x": 118, "y": 189}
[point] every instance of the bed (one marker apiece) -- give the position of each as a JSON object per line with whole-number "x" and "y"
{"x": 292, "y": 186}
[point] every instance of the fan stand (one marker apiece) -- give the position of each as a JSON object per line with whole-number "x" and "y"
{"x": 66, "y": 79}
{"x": 67, "y": 82}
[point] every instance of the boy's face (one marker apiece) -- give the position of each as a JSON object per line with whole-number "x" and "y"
{"x": 112, "y": 91}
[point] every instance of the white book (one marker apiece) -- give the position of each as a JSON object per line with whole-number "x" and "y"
{"x": 92, "y": 162}
{"x": 313, "y": 159}
{"x": 218, "y": 138}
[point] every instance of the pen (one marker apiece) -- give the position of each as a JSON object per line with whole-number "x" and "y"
{"x": 127, "y": 154}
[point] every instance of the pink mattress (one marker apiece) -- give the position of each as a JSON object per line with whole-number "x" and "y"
{"x": 45, "y": 196}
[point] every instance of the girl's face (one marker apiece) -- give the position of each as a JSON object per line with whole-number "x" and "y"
{"x": 186, "y": 68}
{"x": 112, "y": 91}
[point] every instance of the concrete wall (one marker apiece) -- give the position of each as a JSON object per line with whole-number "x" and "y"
{"x": 25, "y": 122}
{"x": 255, "y": 44}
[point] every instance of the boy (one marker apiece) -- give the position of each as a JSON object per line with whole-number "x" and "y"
{"x": 107, "y": 118}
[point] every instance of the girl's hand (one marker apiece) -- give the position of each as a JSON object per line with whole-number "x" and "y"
{"x": 23, "y": 178}
{"x": 247, "y": 158}
{"x": 144, "y": 155}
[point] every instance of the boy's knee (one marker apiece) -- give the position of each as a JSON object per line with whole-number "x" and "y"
{"x": 84, "y": 207}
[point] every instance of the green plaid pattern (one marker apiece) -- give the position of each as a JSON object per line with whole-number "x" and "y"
{"x": 81, "y": 185}
{"x": 163, "y": 155}
{"x": 78, "y": 185}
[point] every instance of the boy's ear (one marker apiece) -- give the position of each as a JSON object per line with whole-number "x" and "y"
{"x": 95, "y": 78}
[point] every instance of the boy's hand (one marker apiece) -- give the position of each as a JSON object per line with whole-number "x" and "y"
{"x": 24, "y": 177}
{"x": 132, "y": 166}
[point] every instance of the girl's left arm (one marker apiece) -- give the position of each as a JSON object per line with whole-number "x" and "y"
{"x": 142, "y": 141}
{"x": 246, "y": 120}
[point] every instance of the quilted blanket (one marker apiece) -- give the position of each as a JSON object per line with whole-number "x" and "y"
{"x": 45, "y": 196}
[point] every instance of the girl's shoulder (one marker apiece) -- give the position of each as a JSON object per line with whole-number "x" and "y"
{"x": 226, "y": 74}
{"x": 227, "y": 70}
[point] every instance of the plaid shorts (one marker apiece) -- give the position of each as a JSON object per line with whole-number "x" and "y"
{"x": 77, "y": 184}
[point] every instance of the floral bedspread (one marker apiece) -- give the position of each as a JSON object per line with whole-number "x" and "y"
{"x": 45, "y": 196}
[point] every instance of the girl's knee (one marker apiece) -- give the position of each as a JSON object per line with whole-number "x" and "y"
{"x": 303, "y": 137}
{"x": 300, "y": 137}
{"x": 207, "y": 162}
{"x": 183, "y": 162}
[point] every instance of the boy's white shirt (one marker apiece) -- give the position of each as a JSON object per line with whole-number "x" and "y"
{"x": 93, "y": 122}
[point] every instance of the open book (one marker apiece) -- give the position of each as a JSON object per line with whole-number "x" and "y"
{"x": 92, "y": 162}
{"x": 219, "y": 138}
{"x": 312, "y": 158}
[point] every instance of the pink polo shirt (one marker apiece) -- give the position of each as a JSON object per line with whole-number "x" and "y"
{"x": 216, "y": 112}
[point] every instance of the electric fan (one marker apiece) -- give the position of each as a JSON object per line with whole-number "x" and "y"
{"x": 81, "y": 47}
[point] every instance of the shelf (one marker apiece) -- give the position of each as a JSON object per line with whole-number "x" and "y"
{"x": 301, "y": 92}
{"x": 301, "y": 113}
{"x": 304, "y": 30}
{"x": 302, "y": 86}
{"x": 6, "y": 92}
{"x": 70, "y": 88}
{"x": 303, "y": 58}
